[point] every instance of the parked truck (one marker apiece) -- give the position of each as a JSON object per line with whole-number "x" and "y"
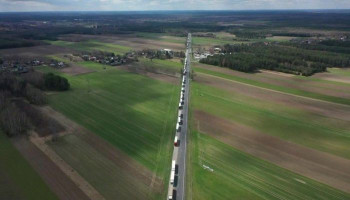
{"x": 172, "y": 177}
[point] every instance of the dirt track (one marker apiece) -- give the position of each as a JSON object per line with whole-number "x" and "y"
{"x": 58, "y": 181}
{"x": 341, "y": 112}
{"x": 323, "y": 167}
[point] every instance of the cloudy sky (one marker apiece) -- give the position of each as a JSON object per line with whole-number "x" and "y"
{"x": 115, "y": 5}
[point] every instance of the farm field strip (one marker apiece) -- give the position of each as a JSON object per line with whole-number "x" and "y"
{"x": 277, "y": 89}
{"x": 109, "y": 179}
{"x": 315, "y": 84}
{"x": 323, "y": 167}
{"x": 18, "y": 172}
{"x": 286, "y": 125}
{"x": 250, "y": 177}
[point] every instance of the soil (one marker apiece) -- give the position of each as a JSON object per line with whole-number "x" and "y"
{"x": 320, "y": 166}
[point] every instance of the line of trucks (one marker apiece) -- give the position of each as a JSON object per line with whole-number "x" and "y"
{"x": 172, "y": 193}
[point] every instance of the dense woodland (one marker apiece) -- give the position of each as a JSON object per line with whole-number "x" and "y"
{"x": 249, "y": 58}
{"x": 16, "y": 115}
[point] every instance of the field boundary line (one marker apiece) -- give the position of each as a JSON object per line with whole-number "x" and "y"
{"x": 276, "y": 91}
{"x": 90, "y": 191}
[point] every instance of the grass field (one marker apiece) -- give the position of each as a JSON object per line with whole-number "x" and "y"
{"x": 18, "y": 180}
{"x": 238, "y": 175}
{"x": 132, "y": 112}
{"x": 92, "y": 45}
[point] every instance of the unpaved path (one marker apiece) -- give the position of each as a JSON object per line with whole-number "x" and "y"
{"x": 320, "y": 166}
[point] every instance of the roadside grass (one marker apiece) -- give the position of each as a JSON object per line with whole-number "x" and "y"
{"x": 135, "y": 113}
{"x": 110, "y": 180}
{"x": 278, "y": 88}
{"x": 314, "y": 131}
{"x": 92, "y": 45}
{"x": 18, "y": 180}
{"x": 238, "y": 175}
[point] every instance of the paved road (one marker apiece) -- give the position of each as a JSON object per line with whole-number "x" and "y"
{"x": 180, "y": 152}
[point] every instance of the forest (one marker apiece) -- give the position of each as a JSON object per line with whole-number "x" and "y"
{"x": 249, "y": 58}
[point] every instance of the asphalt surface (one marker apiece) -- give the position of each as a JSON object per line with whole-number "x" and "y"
{"x": 180, "y": 151}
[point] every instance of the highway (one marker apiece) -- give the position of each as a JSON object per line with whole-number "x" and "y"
{"x": 178, "y": 189}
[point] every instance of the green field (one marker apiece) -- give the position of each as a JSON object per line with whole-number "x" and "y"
{"x": 92, "y": 45}
{"x": 132, "y": 112}
{"x": 18, "y": 180}
{"x": 238, "y": 175}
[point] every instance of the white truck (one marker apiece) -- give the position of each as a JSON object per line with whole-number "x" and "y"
{"x": 172, "y": 177}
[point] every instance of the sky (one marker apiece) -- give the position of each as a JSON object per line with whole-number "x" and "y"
{"x": 140, "y": 5}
